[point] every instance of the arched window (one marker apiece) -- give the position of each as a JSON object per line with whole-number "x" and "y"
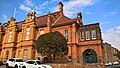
{"x": 89, "y": 56}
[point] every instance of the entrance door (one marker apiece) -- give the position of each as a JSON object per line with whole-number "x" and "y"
{"x": 89, "y": 56}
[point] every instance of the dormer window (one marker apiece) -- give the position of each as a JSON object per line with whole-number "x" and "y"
{"x": 27, "y": 33}
{"x": 10, "y": 36}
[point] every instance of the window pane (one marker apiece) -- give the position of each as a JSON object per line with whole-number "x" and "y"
{"x": 93, "y": 34}
{"x": 66, "y": 34}
{"x": 19, "y": 54}
{"x": 25, "y": 54}
{"x": 10, "y": 32}
{"x": 27, "y": 37}
{"x": 27, "y": 33}
{"x": 41, "y": 32}
{"x": 7, "y": 54}
{"x": 87, "y": 35}
{"x": 10, "y": 36}
{"x": 82, "y": 36}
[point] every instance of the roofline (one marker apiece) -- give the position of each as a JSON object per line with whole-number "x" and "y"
{"x": 40, "y": 26}
{"x": 91, "y": 24}
{"x": 64, "y": 24}
{"x": 46, "y": 14}
{"x": 20, "y": 21}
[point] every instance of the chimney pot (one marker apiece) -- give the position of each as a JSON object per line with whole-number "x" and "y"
{"x": 61, "y": 6}
{"x": 79, "y": 15}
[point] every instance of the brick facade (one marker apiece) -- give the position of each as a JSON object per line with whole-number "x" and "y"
{"x": 109, "y": 52}
{"x": 51, "y": 22}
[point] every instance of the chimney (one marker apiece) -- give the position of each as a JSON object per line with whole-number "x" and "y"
{"x": 61, "y": 8}
{"x": 49, "y": 22}
{"x": 0, "y": 23}
{"x": 79, "y": 16}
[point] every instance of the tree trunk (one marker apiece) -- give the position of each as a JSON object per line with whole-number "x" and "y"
{"x": 53, "y": 57}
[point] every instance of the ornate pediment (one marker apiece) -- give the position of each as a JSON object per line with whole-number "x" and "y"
{"x": 31, "y": 16}
{"x": 12, "y": 21}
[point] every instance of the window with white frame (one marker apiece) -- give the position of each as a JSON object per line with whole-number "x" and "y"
{"x": 25, "y": 54}
{"x": 93, "y": 34}
{"x": 82, "y": 36}
{"x": 19, "y": 54}
{"x": 27, "y": 33}
{"x": 41, "y": 31}
{"x": 66, "y": 34}
{"x": 87, "y": 35}
{"x": 10, "y": 36}
{"x": 7, "y": 54}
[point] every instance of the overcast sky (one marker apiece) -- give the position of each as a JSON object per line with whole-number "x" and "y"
{"x": 105, "y": 12}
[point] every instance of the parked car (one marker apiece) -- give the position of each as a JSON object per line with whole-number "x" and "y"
{"x": 108, "y": 64}
{"x": 35, "y": 64}
{"x": 1, "y": 63}
{"x": 14, "y": 62}
{"x": 116, "y": 63}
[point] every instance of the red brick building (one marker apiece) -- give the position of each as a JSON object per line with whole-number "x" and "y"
{"x": 17, "y": 39}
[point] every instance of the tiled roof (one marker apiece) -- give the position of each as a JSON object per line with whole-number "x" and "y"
{"x": 19, "y": 24}
{"x": 42, "y": 20}
{"x": 64, "y": 20}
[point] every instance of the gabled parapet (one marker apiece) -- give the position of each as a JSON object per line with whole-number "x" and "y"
{"x": 31, "y": 16}
{"x": 12, "y": 21}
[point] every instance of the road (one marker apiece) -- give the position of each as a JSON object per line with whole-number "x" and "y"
{"x": 2, "y": 66}
{"x": 114, "y": 66}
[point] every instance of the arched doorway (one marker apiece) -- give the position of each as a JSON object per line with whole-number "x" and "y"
{"x": 89, "y": 56}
